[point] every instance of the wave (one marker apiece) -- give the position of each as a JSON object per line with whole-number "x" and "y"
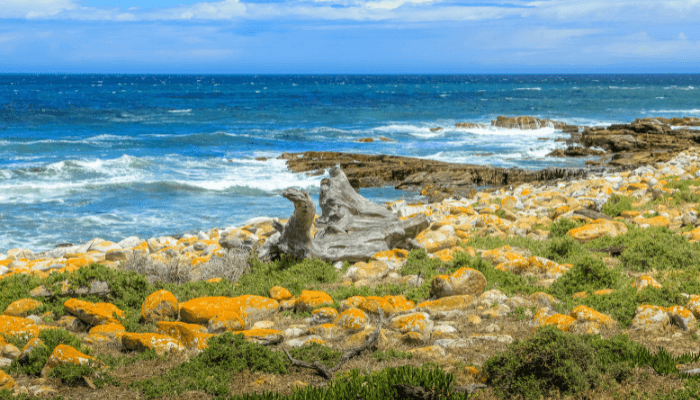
{"x": 180, "y": 111}
{"x": 529, "y": 88}
{"x": 691, "y": 111}
{"x": 679, "y": 87}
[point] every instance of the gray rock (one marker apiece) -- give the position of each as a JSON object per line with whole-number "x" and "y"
{"x": 37, "y": 319}
{"x": 5, "y": 362}
{"x": 129, "y": 242}
{"x": 350, "y": 228}
{"x": 300, "y": 341}
{"x": 58, "y": 252}
{"x": 116, "y": 255}
{"x": 202, "y": 236}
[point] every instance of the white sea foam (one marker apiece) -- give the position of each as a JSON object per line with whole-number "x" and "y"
{"x": 529, "y": 88}
{"x": 180, "y": 111}
{"x": 691, "y": 111}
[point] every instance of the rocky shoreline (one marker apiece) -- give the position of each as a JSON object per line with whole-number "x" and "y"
{"x": 605, "y": 252}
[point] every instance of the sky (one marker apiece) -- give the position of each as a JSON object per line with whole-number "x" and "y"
{"x": 349, "y": 36}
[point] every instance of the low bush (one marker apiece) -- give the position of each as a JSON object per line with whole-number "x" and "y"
{"x": 559, "y": 228}
{"x": 588, "y": 273}
{"x": 616, "y": 204}
{"x": 316, "y": 352}
{"x": 212, "y": 370}
{"x": 51, "y": 338}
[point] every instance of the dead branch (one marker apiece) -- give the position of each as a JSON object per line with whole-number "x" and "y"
{"x": 328, "y": 372}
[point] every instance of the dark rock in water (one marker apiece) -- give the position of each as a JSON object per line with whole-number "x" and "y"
{"x": 408, "y": 173}
{"x": 438, "y": 129}
{"x": 575, "y": 151}
{"x": 570, "y": 129}
{"x": 63, "y": 245}
{"x": 350, "y": 228}
{"x": 262, "y": 158}
{"x": 526, "y": 123}
{"x": 467, "y": 125}
{"x": 365, "y": 140}
{"x": 685, "y": 121}
{"x": 386, "y": 139}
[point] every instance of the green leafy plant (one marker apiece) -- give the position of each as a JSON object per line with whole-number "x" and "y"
{"x": 316, "y": 352}
{"x": 616, "y": 204}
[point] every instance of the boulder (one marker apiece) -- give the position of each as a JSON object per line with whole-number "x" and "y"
{"x": 93, "y": 313}
{"x": 463, "y": 281}
{"x": 20, "y": 308}
{"x": 151, "y": 341}
{"x": 159, "y": 306}
{"x": 65, "y": 355}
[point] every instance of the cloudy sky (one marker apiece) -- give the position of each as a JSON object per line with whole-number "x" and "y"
{"x": 350, "y": 36}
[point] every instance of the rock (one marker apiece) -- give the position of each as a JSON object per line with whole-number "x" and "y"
{"x": 373, "y": 271}
{"x": 694, "y": 305}
{"x": 311, "y": 299}
{"x": 6, "y": 381}
{"x": 17, "y": 326}
{"x": 650, "y": 318}
{"x": 352, "y": 320}
{"x": 115, "y": 255}
{"x": 561, "y": 322}
{"x": 435, "y": 240}
{"x": 190, "y": 335}
{"x": 415, "y": 322}
{"x": 65, "y": 355}
{"x": 265, "y": 337}
{"x": 644, "y": 281}
{"x": 159, "y": 306}
{"x": 447, "y": 306}
{"x": 526, "y": 123}
{"x": 97, "y": 288}
{"x": 303, "y": 341}
{"x": 326, "y": 331}
{"x": 227, "y": 313}
{"x": 350, "y": 228}
{"x": 597, "y": 229}
{"x": 500, "y": 310}
{"x": 365, "y": 140}
{"x": 279, "y": 293}
{"x": 323, "y": 315}
{"x": 112, "y": 331}
{"x": 430, "y": 353}
{"x": 130, "y": 242}
{"x": 9, "y": 351}
{"x": 93, "y": 313}
{"x": 151, "y": 341}
{"x": 464, "y": 281}
{"x": 71, "y": 324}
{"x": 586, "y": 314}
{"x": 20, "y": 308}
{"x": 682, "y": 317}
{"x": 416, "y": 174}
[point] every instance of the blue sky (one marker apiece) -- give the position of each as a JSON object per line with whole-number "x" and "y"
{"x": 350, "y": 36}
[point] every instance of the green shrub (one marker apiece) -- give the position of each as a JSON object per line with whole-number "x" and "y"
{"x": 507, "y": 282}
{"x": 588, "y": 273}
{"x": 72, "y": 375}
{"x": 38, "y": 357}
{"x": 552, "y": 363}
{"x": 375, "y": 386}
{"x": 562, "y": 249}
{"x": 212, "y": 370}
{"x": 616, "y": 204}
{"x": 561, "y": 226}
{"x": 316, "y": 352}
{"x": 657, "y": 248}
{"x": 391, "y": 354}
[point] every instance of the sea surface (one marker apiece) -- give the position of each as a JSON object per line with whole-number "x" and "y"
{"x": 110, "y": 156}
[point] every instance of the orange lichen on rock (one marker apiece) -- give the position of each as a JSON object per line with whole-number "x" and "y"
{"x": 393, "y": 258}
{"x": 415, "y": 322}
{"x": 655, "y": 221}
{"x": 603, "y": 292}
{"x": 190, "y": 335}
{"x": 560, "y": 321}
{"x": 6, "y": 381}
{"x": 93, "y": 313}
{"x": 448, "y": 254}
{"x": 350, "y": 302}
{"x": 65, "y": 355}
{"x": 20, "y": 308}
{"x": 325, "y": 313}
{"x": 583, "y": 313}
{"x": 644, "y": 281}
{"x": 465, "y": 281}
{"x": 451, "y": 303}
{"x": 372, "y": 304}
{"x": 436, "y": 240}
{"x": 694, "y": 305}
{"x": 580, "y": 295}
{"x": 311, "y": 299}
{"x": 262, "y": 336}
{"x": 279, "y": 293}
{"x": 400, "y": 303}
{"x": 597, "y": 229}
{"x": 352, "y": 320}
{"x": 158, "y": 306}
{"x": 232, "y": 313}
{"x": 113, "y": 331}
{"x": 17, "y": 326}
{"x": 151, "y": 341}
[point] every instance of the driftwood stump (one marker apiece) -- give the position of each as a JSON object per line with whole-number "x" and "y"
{"x": 350, "y": 228}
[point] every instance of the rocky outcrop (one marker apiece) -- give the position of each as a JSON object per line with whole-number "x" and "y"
{"x": 575, "y": 151}
{"x": 523, "y": 123}
{"x": 406, "y": 173}
{"x": 350, "y": 227}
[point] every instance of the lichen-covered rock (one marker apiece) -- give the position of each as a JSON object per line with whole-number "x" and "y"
{"x": 501, "y": 310}
{"x": 227, "y": 313}
{"x": 22, "y": 307}
{"x": 262, "y": 336}
{"x": 447, "y": 306}
{"x": 542, "y": 299}
{"x": 682, "y": 317}
{"x": 323, "y": 315}
{"x": 280, "y": 294}
{"x": 65, "y": 355}
{"x": 303, "y": 341}
{"x": 17, "y": 326}
{"x": 159, "y": 306}
{"x": 151, "y": 341}
{"x": 430, "y": 353}
{"x": 493, "y": 296}
{"x": 28, "y": 348}
{"x": 311, "y": 299}
{"x": 113, "y": 331}
{"x": 587, "y": 314}
{"x": 373, "y": 270}
{"x": 465, "y": 281}
{"x": 597, "y": 229}
{"x": 694, "y": 305}
{"x": 415, "y": 322}
{"x": 352, "y": 320}
{"x": 6, "y": 381}
{"x": 436, "y": 240}
{"x": 649, "y": 317}
{"x": 93, "y": 313}
{"x": 644, "y": 281}
{"x": 561, "y": 322}
{"x": 394, "y": 259}
{"x": 71, "y": 324}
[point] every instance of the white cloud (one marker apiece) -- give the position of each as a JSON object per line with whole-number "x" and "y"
{"x": 681, "y": 36}
{"x": 34, "y": 8}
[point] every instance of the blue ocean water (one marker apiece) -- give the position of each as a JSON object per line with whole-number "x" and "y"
{"x": 110, "y": 156}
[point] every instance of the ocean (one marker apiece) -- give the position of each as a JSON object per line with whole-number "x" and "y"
{"x": 111, "y": 156}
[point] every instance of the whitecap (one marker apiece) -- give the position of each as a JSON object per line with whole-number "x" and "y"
{"x": 180, "y": 111}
